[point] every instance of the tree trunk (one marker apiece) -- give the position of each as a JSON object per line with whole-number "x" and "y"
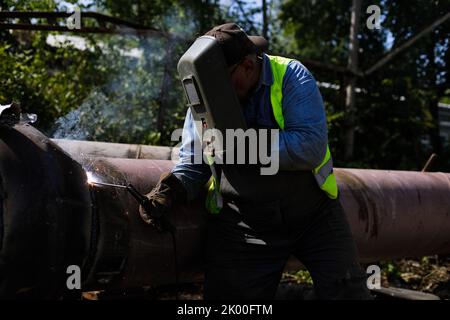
{"x": 264, "y": 19}
{"x": 438, "y": 91}
{"x": 165, "y": 87}
{"x": 435, "y": 132}
{"x": 352, "y": 64}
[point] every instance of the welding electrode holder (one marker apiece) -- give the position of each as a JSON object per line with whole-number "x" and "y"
{"x": 159, "y": 220}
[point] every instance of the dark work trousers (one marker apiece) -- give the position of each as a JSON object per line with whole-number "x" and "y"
{"x": 250, "y": 242}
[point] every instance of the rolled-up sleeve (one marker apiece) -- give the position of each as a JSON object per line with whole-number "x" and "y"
{"x": 190, "y": 170}
{"x": 303, "y": 142}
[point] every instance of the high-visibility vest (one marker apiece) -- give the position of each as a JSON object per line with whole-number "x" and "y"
{"x": 323, "y": 173}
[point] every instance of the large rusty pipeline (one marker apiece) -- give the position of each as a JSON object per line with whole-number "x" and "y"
{"x": 45, "y": 214}
{"x": 381, "y": 199}
{"x": 51, "y": 218}
{"x": 396, "y": 214}
{"x": 392, "y": 214}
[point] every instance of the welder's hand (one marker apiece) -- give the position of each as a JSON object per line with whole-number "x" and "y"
{"x": 168, "y": 192}
{"x": 159, "y": 202}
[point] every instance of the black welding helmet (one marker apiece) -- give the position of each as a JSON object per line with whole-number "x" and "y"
{"x": 205, "y": 76}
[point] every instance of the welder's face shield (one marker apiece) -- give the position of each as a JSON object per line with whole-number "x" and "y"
{"x": 210, "y": 94}
{"x": 208, "y": 87}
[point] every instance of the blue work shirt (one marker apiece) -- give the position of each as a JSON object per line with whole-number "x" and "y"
{"x": 302, "y": 143}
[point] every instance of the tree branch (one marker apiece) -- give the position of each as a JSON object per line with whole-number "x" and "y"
{"x": 388, "y": 57}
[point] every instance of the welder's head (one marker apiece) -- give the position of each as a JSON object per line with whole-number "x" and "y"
{"x": 242, "y": 55}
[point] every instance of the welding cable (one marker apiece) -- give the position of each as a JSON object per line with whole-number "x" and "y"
{"x": 162, "y": 225}
{"x": 177, "y": 283}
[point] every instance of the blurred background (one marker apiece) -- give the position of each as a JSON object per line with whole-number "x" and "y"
{"x": 124, "y": 87}
{"x": 383, "y": 68}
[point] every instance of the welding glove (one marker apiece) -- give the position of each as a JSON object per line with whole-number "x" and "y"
{"x": 168, "y": 192}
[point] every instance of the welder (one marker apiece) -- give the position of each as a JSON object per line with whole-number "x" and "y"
{"x": 263, "y": 219}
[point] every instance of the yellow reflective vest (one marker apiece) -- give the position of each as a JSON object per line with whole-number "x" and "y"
{"x": 323, "y": 173}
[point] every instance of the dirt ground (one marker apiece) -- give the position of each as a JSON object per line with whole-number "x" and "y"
{"x": 429, "y": 274}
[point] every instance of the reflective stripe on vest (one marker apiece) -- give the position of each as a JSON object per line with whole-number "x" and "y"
{"x": 214, "y": 200}
{"x": 323, "y": 173}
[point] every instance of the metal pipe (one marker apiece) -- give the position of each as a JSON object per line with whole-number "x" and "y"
{"x": 50, "y": 218}
{"x": 149, "y": 257}
{"x": 82, "y": 150}
{"x": 392, "y": 214}
{"x": 397, "y": 214}
{"x": 45, "y": 214}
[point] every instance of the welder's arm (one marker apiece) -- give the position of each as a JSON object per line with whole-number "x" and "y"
{"x": 190, "y": 169}
{"x": 302, "y": 143}
{"x": 182, "y": 184}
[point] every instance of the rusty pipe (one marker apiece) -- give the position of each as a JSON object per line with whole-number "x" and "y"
{"x": 396, "y": 214}
{"x": 51, "y": 218}
{"x": 148, "y": 258}
{"x": 392, "y": 214}
{"x": 45, "y": 214}
{"x": 359, "y": 193}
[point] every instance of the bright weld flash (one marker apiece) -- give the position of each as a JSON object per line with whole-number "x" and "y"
{"x": 91, "y": 178}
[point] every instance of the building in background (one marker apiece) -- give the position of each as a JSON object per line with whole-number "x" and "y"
{"x": 444, "y": 123}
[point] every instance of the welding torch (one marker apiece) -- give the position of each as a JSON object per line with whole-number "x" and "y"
{"x": 161, "y": 223}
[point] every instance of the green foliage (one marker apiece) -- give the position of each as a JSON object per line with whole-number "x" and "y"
{"x": 169, "y": 15}
{"x": 27, "y": 5}
{"x": 301, "y": 276}
{"x": 390, "y": 269}
{"x": 319, "y": 29}
{"x": 45, "y": 80}
{"x": 397, "y": 105}
{"x": 124, "y": 106}
{"x": 103, "y": 93}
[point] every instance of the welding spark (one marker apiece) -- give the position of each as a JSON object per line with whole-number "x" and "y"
{"x": 91, "y": 178}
